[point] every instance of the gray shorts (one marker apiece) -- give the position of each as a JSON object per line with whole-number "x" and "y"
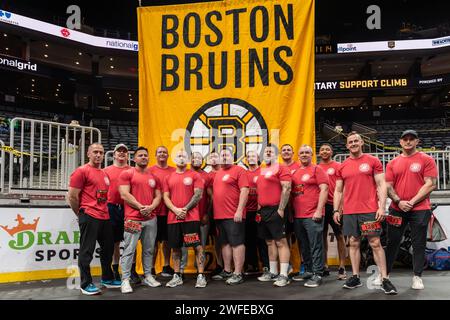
{"x": 352, "y": 224}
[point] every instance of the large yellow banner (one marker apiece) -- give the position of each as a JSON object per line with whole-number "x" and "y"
{"x": 233, "y": 73}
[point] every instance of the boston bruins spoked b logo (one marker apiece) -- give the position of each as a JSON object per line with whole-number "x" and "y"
{"x": 226, "y": 122}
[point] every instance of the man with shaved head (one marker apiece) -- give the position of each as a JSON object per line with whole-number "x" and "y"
{"x": 87, "y": 196}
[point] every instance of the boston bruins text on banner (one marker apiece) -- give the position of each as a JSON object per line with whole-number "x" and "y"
{"x": 232, "y": 74}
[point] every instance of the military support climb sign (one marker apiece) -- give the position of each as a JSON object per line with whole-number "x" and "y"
{"x": 234, "y": 73}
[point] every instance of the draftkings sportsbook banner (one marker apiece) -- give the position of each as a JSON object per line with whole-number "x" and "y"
{"x": 227, "y": 73}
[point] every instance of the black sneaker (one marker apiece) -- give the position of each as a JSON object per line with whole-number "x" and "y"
{"x": 216, "y": 271}
{"x": 167, "y": 272}
{"x": 135, "y": 278}
{"x": 224, "y": 275}
{"x": 388, "y": 287}
{"x": 326, "y": 272}
{"x": 153, "y": 272}
{"x": 342, "y": 275}
{"x": 353, "y": 282}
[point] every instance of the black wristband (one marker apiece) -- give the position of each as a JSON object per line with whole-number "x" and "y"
{"x": 334, "y": 211}
{"x": 397, "y": 201}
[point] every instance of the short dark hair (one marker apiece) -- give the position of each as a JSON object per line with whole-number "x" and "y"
{"x": 141, "y": 148}
{"x": 328, "y": 145}
{"x": 274, "y": 146}
{"x": 287, "y": 145}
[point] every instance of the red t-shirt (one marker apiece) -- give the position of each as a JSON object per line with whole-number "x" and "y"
{"x": 203, "y": 204}
{"x": 306, "y": 191}
{"x": 94, "y": 185}
{"x": 113, "y": 173}
{"x": 360, "y": 190}
{"x": 252, "y": 202}
{"x": 181, "y": 188}
{"x": 292, "y": 167}
{"x": 142, "y": 187}
{"x": 407, "y": 176}
{"x": 331, "y": 169}
{"x": 268, "y": 185}
{"x": 226, "y": 191}
{"x": 161, "y": 174}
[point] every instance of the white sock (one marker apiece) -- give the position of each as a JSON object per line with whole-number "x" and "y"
{"x": 273, "y": 267}
{"x": 284, "y": 269}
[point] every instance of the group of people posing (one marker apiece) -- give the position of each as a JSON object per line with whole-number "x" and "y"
{"x": 251, "y": 213}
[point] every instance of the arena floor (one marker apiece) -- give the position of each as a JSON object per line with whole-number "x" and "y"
{"x": 437, "y": 287}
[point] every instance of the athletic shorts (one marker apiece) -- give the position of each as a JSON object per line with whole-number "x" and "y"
{"x": 161, "y": 234}
{"x": 116, "y": 216}
{"x": 230, "y": 232}
{"x": 184, "y": 234}
{"x": 352, "y": 224}
{"x": 337, "y": 229}
{"x": 271, "y": 226}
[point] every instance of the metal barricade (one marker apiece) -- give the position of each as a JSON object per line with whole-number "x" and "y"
{"x": 45, "y": 153}
{"x": 442, "y": 159}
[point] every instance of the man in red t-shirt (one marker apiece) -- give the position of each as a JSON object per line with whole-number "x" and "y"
{"x": 213, "y": 161}
{"x": 161, "y": 170}
{"x": 364, "y": 202}
{"x": 287, "y": 154}
{"x": 141, "y": 192}
{"x": 253, "y": 243}
{"x": 88, "y": 195}
{"x": 183, "y": 191}
{"x": 115, "y": 205}
{"x": 230, "y": 193}
{"x": 330, "y": 167}
{"x": 203, "y": 207}
{"x": 274, "y": 188}
{"x": 309, "y": 193}
{"x": 410, "y": 178}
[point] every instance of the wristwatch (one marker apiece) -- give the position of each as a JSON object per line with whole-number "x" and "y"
{"x": 396, "y": 201}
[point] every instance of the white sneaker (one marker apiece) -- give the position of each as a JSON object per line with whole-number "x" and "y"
{"x": 267, "y": 276}
{"x": 151, "y": 282}
{"x": 201, "y": 281}
{"x": 282, "y": 281}
{"x": 176, "y": 281}
{"x": 378, "y": 281}
{"x": 126, "y": 287}
{"x": 417, "y": 283}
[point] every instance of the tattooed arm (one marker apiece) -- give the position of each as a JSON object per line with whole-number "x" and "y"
{"x": 285, "y": 194}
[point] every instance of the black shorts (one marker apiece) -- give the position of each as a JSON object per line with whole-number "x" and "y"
{"x": 352, "y": 223}
{"x": 161, "y": 234}
{"x": 328, "y": 220}
{"x": 230, "y": 232}
{"x": 116, "y": 216}
{"x": 185, "y": 234}
{"x": 272, "y": 226}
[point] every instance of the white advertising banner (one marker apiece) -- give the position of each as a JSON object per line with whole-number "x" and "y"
{"x": 62, "y": 32}
{"x": 442, "y": 214}
{"x": 394, "y": 45}
{"x": 33, "y": 239}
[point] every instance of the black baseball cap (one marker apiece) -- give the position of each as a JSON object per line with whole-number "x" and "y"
{"x": 409, "y": 132}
